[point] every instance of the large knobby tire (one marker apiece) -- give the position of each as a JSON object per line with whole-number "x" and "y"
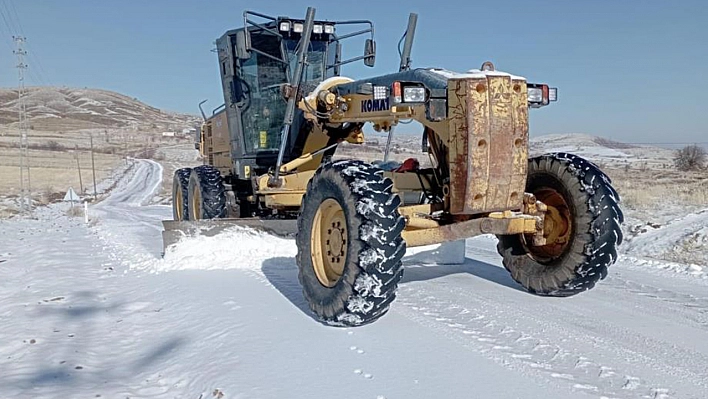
{"x": 180, "y": 193}
{"x": 206, "y": 193}
{"x": 349, "y": 243}
{"x": 582, "y": 227}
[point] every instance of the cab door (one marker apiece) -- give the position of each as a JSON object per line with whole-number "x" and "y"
{"x": 263, "y": 114}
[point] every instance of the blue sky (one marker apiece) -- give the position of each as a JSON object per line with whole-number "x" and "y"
{"x": 629, "y": 70}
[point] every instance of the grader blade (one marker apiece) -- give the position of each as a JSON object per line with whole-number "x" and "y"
{"x": 176, "y": 230}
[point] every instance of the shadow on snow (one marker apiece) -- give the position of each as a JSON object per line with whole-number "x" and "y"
{"x": 282, "y": 273}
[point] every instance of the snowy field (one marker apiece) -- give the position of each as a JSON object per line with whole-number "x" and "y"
{"x": 95, "y": 311}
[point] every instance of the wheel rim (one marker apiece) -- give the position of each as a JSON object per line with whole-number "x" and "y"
{"x": 329, "y": 242}
{"x": 179, "y": 207}
{"x": 557, "y": 228}
{"x": 195, "y": 208}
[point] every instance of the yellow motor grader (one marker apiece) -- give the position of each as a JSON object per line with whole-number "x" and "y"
{"x": 269, "y": 165}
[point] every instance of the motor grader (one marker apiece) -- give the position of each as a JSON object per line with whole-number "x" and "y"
{"x": 269, "y": 164}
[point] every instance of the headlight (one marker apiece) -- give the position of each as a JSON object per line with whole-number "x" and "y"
{"x": 535, "y": 94}
{"x": 329, "y": 29}
{"x": 552, "y": 94}
{"x": 298, "y": 27}
{"x": 414, "y": 94}
{"x": 317, "y": 29}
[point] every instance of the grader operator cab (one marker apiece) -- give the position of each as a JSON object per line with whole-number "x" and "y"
{"x": 269, "y": 165}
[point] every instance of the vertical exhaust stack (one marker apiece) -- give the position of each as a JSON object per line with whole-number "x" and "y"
{"x": 297, "y": 80}
{"x": 405, "y": 65}
{"x": 408, "y": 45}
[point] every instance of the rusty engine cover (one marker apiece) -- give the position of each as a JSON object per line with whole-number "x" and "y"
{"x": 488, "y": 125}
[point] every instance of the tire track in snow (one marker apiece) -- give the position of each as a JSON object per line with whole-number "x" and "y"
{"x": 485, "y": 329}
{"x": 138, "y": 188}
{"x": 694, "y": 309}
{"x": 124, "y": 215}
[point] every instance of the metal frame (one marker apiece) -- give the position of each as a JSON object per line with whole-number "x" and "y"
{"x": 338, "y": 39}
{"x": 263, "y": 28}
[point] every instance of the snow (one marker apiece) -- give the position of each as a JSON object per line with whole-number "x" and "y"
{"x": 592, "y": 152}
{"x": 687, "y": 234}
{"x": 209, "y": 253}
{"x": 94, "y": 310}
{"x": 473, "y": 74}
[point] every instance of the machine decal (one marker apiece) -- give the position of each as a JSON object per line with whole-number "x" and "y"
{"x": 372, "y": 105}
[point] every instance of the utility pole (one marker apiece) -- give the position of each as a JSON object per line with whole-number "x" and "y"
{"x": 25, "y": 187}
{"x": 93, "y": 167}
{"x": 78, "y": 166}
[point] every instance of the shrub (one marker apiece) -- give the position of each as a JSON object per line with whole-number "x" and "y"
{"x": 691, "y": 157}
{"x": 54, "y": 146}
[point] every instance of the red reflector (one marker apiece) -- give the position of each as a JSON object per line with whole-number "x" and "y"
{"x": 396, "y": 89}
{"x": 544, "y": 89}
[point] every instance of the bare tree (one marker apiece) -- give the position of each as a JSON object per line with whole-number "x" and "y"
{"x": 691, "y": 157}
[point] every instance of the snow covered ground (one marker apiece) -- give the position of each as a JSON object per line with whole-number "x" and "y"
{"x": 95, "y": 311}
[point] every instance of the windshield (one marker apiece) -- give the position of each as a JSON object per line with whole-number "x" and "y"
{"x": 316, "y": 57}
{"x": 262, "y": 119}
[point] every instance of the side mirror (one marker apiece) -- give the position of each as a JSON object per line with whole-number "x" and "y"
{"x": 337, "y": 59}
{"x": 242, "y": 51}
{"x": 369, "y": 52}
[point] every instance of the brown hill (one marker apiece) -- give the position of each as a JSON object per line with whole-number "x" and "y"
{"x": 63, "y": 108}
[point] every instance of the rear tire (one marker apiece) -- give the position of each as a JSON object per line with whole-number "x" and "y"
{"x": 585, "y": 206}
{"x": 206, "y": 193}
{"x": 180, "y": 193}
{"x": 349, "y": 243}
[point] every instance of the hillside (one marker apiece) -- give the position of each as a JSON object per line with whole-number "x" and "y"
{"x": 63, "y": 108}
{"x": 603, "y": 150}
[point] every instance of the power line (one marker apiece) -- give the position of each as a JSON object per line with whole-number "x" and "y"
{"x": 14, "y": 24}
{"x": 6, "y": 37}
{"x": 6, "y": 16}
{"x": 36, "y": 60}
{"x": 17, "y": 19}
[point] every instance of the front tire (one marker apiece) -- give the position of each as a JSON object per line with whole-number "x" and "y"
{"x": 206, "y": 193}
{"x": 349, "y": 243}
{"x": 582, "y": 228}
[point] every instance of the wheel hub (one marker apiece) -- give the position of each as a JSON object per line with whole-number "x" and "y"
{"x": 336, "y": 241}
{"x": 557, "y": 226}
{"x": 329, "y": 242}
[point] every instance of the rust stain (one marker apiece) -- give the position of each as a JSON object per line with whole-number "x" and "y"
{"x": 488, "y": 144}
{"x": 458, "y": 142}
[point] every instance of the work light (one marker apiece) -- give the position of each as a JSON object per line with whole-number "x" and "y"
{"x": 414, "y": 94}
{"x": 380, "y": 92}
{"x": 535, "y": 95}
{"x": 552, "y": 94}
